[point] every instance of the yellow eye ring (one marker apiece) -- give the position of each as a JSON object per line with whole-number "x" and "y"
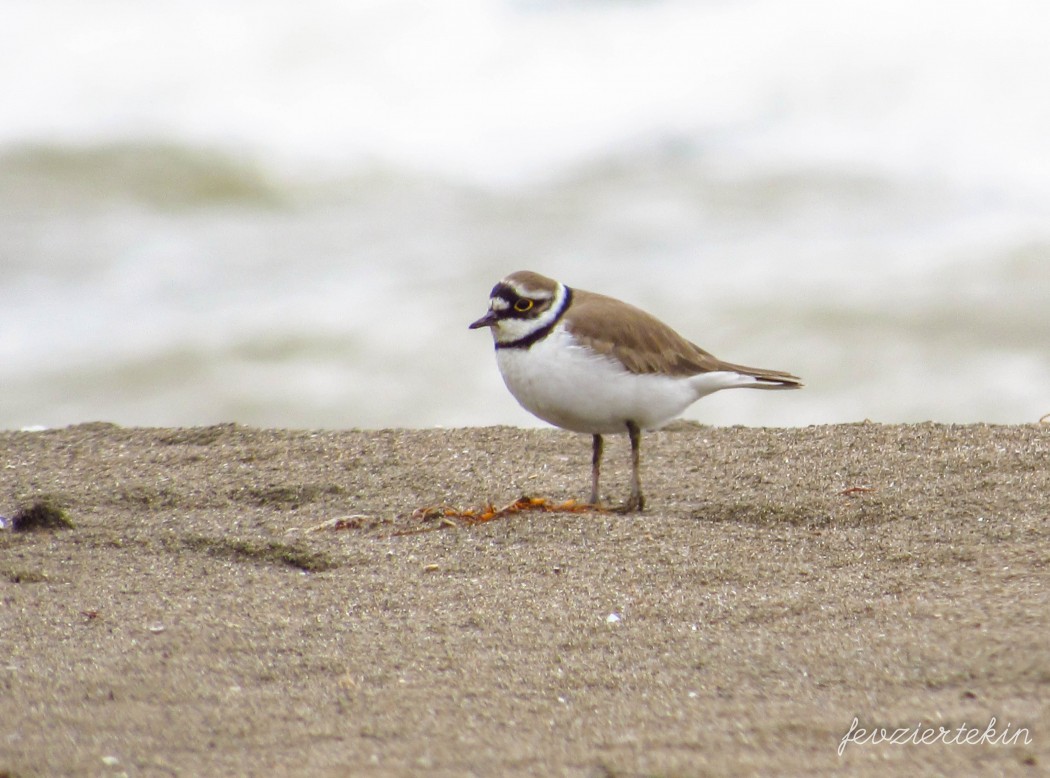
{"x": 522, "y": 305}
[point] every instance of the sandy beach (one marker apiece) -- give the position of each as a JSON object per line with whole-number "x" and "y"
{"x": 238, "y": 601}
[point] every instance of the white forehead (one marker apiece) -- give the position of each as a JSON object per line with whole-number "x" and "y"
{"x": 498, "y": 304}
{"x": 524, "y": 290}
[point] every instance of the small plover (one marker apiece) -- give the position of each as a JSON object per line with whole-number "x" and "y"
{"x": 591, "y": 363}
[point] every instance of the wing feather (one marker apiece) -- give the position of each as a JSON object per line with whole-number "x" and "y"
{"x": 644, "y": 344}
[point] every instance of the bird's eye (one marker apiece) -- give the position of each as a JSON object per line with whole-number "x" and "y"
{"x": 522, "y": 305}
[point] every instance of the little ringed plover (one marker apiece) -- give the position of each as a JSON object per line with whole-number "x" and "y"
{"x": 591, "y": 363}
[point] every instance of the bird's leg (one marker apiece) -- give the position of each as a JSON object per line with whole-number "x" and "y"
{"x": 636, "y": 502}
{"x": 596, "y": 466}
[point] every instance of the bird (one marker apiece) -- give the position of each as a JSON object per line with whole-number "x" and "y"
{"x": 593, "y": 364}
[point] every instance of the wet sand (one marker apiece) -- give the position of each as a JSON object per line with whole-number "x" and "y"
{"x": 205, "y": 617}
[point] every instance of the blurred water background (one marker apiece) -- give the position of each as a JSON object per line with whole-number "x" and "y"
{"x": 286, "y": 214}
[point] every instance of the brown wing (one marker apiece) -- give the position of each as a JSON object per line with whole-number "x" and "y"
{"x": 644, "y": 343}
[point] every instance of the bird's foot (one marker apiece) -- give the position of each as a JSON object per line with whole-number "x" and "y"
{"x": 635, "y": 504}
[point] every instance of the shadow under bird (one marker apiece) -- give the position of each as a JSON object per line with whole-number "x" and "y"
{"x": 591, "y": 363}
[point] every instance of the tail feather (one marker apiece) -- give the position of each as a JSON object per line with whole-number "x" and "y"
{"x": 766, "y": 379}
{"x": 777, "y": 381}
{"x": 736, "y": 377}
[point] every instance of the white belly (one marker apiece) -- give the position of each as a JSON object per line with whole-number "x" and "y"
{"x": 572, "y": 388}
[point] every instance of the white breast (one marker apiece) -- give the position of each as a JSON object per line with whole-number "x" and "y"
{"x": 572, "y": 387}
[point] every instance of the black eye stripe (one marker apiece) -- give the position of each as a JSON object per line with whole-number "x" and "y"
{"x": 540, "y": 332}
{"x": 507, "y": 295}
